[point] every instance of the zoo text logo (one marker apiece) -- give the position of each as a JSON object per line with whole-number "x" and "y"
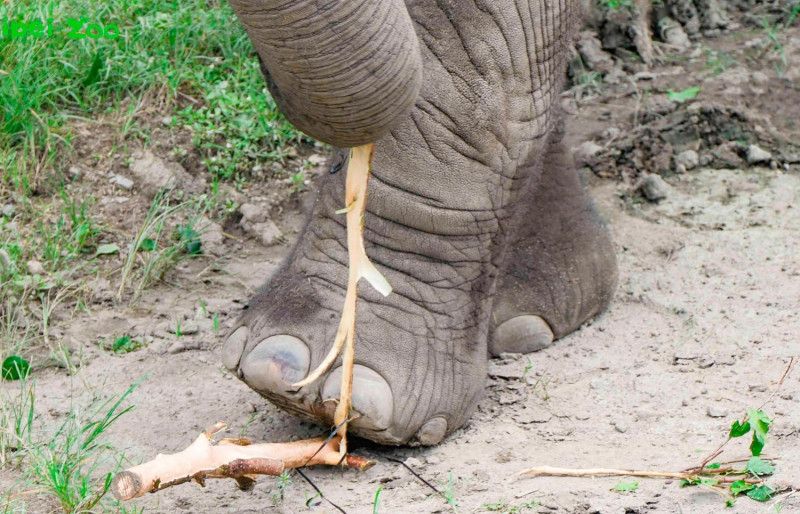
{"x": 78, "y": 29}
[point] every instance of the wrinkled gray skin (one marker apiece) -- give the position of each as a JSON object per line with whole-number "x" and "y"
{"x": 475, "y": 213}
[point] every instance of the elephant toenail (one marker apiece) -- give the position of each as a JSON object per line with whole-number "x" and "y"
{"x": 522, "y": 334}
{"x": 275, "y": 363}
{"x": 233, "y": 347}
{"x": 372, "y": 396}
{"x": 432, "y": 432}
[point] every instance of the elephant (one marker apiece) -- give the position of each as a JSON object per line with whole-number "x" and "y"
{"x": 476, "y": 214}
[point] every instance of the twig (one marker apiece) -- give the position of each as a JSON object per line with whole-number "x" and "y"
{"x": 595, "y": 472}
{"x": 229, "y": 458}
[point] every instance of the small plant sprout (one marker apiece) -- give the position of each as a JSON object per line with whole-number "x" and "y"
{"x": 376, "y": 503}
{"x": 215, "y": 320}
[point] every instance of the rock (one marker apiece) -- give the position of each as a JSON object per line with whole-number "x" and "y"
{"x": 689, "y": 159}
{"x": 620, "y": 427}
{"x": 268, "y": 233}
{"x": 586, "y": 151}
{"x": 758, "y": 388}
{"x": 74, "y": 172}
{"x": 122, "y": 181}
{"x": 673, "y": 34}
{"x": 9, "y": 210}
{"x": 35, "y": 268}
{"x": 154, "y": 174}
{"x": 653, "y": 187}
{"x": 528, "y": 416}
{"x": 592, "y": 54}
{"x": 756, "y": 154}
{"x": 716, "y": 412}
{"x": 727, "y": 156}
{"x": 252, "y": 213}
{"x": 189, "y": 328}
{"x": 413, "y": 462}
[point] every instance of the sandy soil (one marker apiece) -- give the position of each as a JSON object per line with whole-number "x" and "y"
{"x": 702, "y": 326}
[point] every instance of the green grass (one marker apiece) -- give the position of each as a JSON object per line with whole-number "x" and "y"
{"x": 191, "y": 58}
{"x": 73, "y": 464}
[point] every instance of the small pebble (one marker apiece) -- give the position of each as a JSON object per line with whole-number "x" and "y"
{"x": 620, "y": 427}
{"x": 756, "y": 154}
{"x": 759, "y": 388}
{"x": 35, "y": 268}
{"x": 716, "y": 412}
{"x": 123, "y": 182}
{"x": 688, "y": 159}
{"x": 413, "y": 463}
{"x": 653, "y": 187}
{"x": 9, "y": 210}
{"x": 189, "y": 328}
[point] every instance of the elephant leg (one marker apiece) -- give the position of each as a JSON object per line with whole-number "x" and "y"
{"x": 446, "y": 184}
{"x": 561, "y": 270}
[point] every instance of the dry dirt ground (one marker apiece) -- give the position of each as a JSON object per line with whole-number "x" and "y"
{"x": 703, "y": 324}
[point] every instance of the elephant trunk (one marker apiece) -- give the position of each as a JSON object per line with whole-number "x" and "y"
{"x": 342, "y": 71}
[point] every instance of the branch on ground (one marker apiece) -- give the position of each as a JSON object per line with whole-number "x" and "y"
{"x": 229, "y": 458}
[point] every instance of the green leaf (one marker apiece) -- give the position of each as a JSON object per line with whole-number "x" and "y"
{"x": 738, "y": 430}
{"x": 626, "y": 486}
{"x": 147, "y": 245}
{"x": 761, "y": 493}
{"x": 682, "y": 96}
{"x": 15, "y": 367}
{"x": 94, "y": 71}
{"x": 107, "y": 249}
{"x": 194, "y": 246}
{"x": 190, "y": 238}
{"x": 715, "y": 465}
{"x": 757, "y": 466}
{"x": 740, "y": 486}
{"x": 699, "y": 481}
{"x": 122, "y": 344}
{"x": 760, "y": 423}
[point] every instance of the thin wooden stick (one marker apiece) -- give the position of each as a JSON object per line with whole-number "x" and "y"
{"x": 595, "y": 472}
{"x": 228, "y": 458}
{"x": 588, "y": 472}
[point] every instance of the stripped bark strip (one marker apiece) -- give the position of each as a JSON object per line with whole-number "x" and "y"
{"x": 359, "y": 267}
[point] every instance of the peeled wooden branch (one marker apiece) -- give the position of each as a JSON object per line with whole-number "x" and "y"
{"x": 228, "y": 458}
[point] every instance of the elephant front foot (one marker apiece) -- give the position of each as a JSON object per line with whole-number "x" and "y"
{"x": 560, "y": 270}
{"x": 420, "y": 352}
